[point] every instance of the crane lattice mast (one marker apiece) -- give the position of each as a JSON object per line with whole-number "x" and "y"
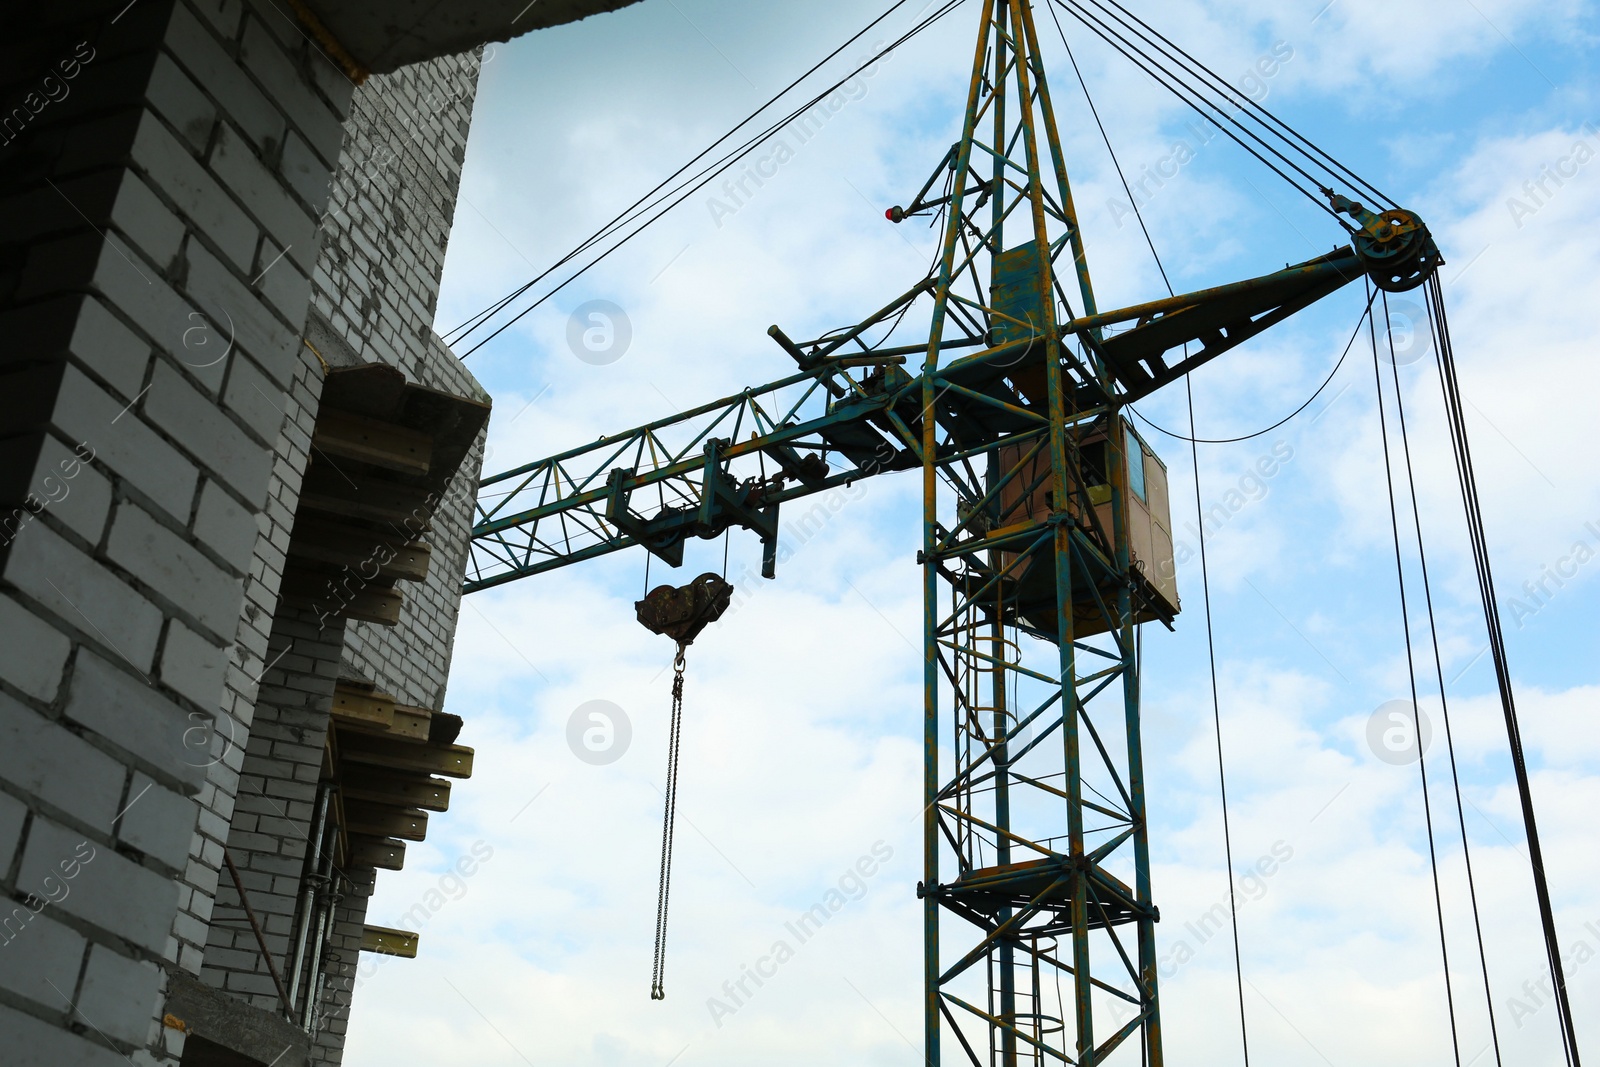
{"x": 1011, "y": 592}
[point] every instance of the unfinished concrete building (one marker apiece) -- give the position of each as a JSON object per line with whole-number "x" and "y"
{"x": 237, "y": 483}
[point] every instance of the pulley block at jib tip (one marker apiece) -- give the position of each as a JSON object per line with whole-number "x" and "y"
{"x": 1395, "y": 245}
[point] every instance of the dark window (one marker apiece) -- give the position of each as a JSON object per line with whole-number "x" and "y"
{"x": 1136, "y": 467}
{"x": 1093, "y": 458}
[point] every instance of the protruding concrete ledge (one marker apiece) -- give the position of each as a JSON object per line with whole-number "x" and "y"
{"x": 224, "y": 1031}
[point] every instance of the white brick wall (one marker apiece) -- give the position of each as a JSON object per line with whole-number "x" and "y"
{"x": 247, "y": 656}
{"x": 388, "y": 221}
{"x": 273, "y": 806}
{"x": 142, "y": 716}
{"x": 377, "y": 284}
{"x": 196, "y": 145}
{"x": 274, "y": 797}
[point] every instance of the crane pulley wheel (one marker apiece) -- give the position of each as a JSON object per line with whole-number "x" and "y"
{"x": 1396, "y": 247}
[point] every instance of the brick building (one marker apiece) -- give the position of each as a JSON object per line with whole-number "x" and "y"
{"x": 237, "y": 481}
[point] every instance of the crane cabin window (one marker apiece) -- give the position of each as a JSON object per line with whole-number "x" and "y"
{"x": 1092, "y": 463}
{"x": 1135, "y": 453}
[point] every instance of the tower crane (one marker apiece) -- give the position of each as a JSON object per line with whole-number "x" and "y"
{"x": 1045, "y": 542}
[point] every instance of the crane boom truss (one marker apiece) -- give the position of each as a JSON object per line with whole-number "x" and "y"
{"x": 575, "y": 505}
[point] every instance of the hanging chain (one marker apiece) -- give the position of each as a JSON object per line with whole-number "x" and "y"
{"x": 657, "y": 976}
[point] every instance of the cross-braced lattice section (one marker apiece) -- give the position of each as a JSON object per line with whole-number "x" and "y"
{"x": 1015, "y": 764}
{"x": 1038, "y": 917}
{"x": 731, "y": 462}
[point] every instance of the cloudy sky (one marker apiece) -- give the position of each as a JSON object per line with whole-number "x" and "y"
{"x": 802, "y": 725}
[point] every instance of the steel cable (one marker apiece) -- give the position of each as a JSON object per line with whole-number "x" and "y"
{"x": 1444, "y": 702}
{"x": 1205, "y": 573}
{"x": 664, "y": 203}
{"x": 1153, "y": 67}
{"x": 623, "y": 216}
{"x": 1332, "y": 166}
{"x": 1143, "y": 228}
{"x": 1416, "y": 712}
{"x": 1216, "y": 718}
{"x": 1449, "y": 385}
{"x": 669, "y": 820}
{"x": 1366, "y": 313}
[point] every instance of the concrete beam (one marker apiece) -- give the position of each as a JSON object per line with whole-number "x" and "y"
{"x": 224, "y": 1024}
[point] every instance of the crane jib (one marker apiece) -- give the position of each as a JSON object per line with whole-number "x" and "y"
{"x": 857, "y": 430}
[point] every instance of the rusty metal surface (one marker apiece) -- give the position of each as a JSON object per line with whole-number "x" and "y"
{"x": 681, "y": 612}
